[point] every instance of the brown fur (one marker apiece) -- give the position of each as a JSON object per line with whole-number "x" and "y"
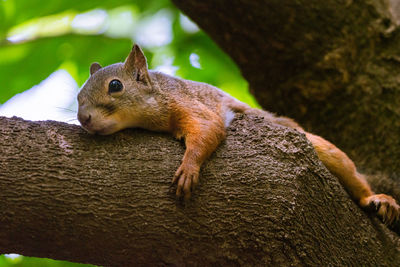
{"x": 196, "y": 112}
{"x": 202, "y": 131}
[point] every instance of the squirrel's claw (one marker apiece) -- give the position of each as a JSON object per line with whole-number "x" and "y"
{"x": 187, "y": 178}
{"x": 385, "y": 206}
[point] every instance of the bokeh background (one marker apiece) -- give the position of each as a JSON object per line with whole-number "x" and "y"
{"x": 46, "y": 48}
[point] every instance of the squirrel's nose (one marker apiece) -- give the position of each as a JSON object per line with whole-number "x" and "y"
{"x": 84, "y": 119}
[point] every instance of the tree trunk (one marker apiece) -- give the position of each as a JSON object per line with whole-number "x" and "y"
{"x": 332, "y": 65}
{"x": 264, "y": 199}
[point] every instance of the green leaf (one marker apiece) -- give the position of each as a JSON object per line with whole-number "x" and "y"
{"x": 27, "y": 64}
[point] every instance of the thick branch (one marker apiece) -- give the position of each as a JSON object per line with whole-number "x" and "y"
{"x": 264, "y": 199}
{"x": 332, "y": 65}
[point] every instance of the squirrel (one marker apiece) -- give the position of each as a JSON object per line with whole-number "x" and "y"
{"x": 128, "y": 95}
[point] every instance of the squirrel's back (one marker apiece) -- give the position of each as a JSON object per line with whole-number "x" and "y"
{"x": 207, "y": 94}
{"x": 215, "y": 99}
{"x": 200, "y": 95}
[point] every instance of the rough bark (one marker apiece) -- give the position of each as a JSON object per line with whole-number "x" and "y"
{"x": 264, "y": 199}
{"x": 332, "y": 65}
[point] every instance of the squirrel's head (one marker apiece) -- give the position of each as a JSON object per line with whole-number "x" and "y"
{"x": 109, "y": 98}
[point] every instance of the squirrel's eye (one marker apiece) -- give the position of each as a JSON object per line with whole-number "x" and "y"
{"x": 115, "y": 86}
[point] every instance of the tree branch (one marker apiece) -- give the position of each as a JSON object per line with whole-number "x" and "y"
{"x": 318, "y": 61}
{"x": 264, "y": 198}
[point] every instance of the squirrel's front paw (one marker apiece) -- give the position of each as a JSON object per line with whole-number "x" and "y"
{"x": 384, "y": 205}
{"x": 187, "y": 177}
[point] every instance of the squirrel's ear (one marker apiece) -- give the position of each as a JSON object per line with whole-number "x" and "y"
{"x": 136, "y": 64}
{"x": 94, "y": 67}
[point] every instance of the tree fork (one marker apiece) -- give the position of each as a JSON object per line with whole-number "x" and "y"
{"x": 331, "y": 65}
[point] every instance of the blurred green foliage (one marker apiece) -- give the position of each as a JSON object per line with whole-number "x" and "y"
{"x": 21, "y": 261}
{"x": 38, "y": 38}
{"x": 54, "y": 44}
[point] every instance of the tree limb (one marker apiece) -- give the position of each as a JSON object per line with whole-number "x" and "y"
{"x": 331, "y": 65}
{"x": 264, "y": 199}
